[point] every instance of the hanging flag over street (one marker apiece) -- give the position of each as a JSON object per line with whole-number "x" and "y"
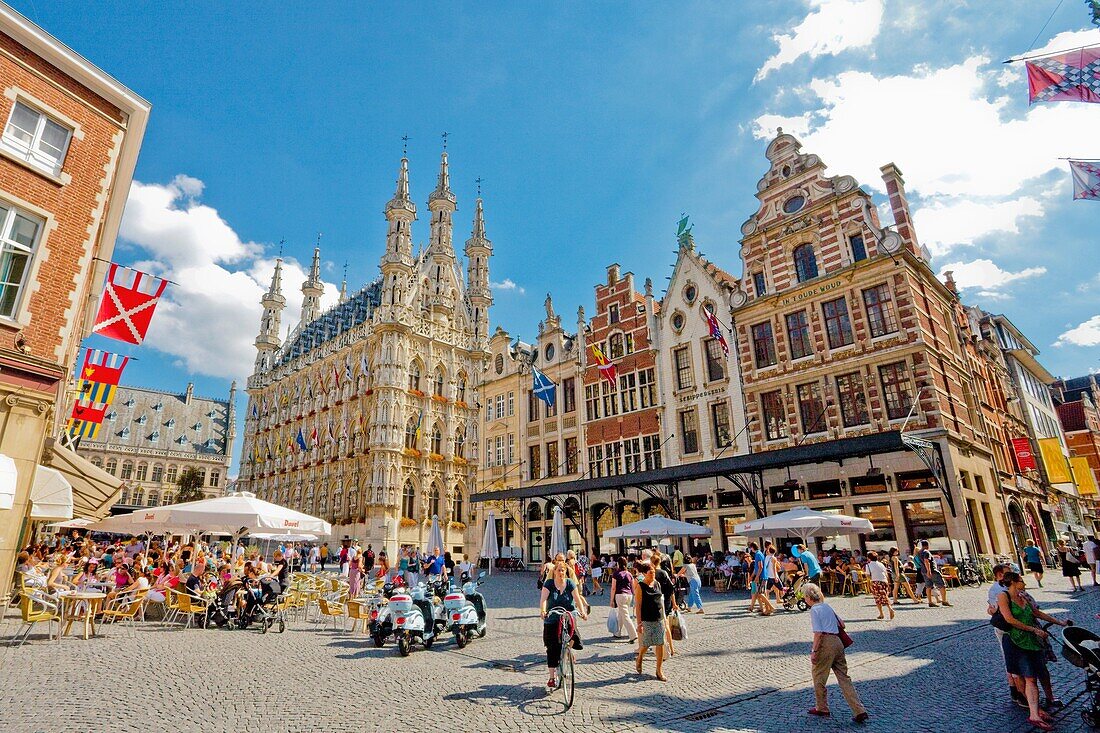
{"x": 716, "y": 330}
{"x": 543, "y": 387}
{"x": 607, "y": 369}
{"x": 1073, "y": 76}
{"x": 87, "y": 411}
{"x": 126, "y": 308}
{"x": 84, "y": 429}
{"x": 1086, "y": 179}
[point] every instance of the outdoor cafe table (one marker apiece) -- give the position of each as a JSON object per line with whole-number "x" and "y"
{"x": 70, "y": 603}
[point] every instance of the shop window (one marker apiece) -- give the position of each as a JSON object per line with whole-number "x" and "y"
{"x": 730, "y": 498}
{"x": 829, "y": 489}
{"x": 786, "y": 492}
{"x": 883, "y": 538}
{"x": 924, "y": 520}
{"x": 696, "y": 503}
{"x": 868, "y": 484}
{"x": 915, "y": 481}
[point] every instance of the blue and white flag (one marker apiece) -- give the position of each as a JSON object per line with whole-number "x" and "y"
{"x": 544, "y": 389}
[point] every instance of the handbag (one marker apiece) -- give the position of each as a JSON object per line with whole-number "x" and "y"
{"x": 613, "y": 622}
{"x": 675, "y": 626}
{"x": 998, "y": 621}
{"x": 845, "y": 639}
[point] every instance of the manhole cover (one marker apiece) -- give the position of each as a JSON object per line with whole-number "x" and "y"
{"x": 703, "y": 714}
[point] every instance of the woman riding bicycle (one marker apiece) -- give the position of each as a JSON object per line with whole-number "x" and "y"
{"x": 559, "y": 592}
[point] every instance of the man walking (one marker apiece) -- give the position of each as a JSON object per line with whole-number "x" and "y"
{"x": 810, "y": 565}
{"x": 323, "y": 555}
{"x": 1090, "y": 548}
{"x": 933, "y": 578}
{"x": 760, "y": 574}
{"x": 1033, "y": 559}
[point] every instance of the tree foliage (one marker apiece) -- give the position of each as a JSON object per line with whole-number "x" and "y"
{"x": 190, "y": 483}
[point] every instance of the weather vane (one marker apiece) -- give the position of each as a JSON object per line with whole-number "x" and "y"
{"x": 445, "y": 134}
{"x": 404, "y": 146}
{"x": 281, "y": 243}
{"x": 478, "y": 182}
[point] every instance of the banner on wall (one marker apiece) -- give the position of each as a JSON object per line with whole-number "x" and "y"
{"x": 1054, "y": 461}
{"x": 1083, "y": 476}
{"x": 1025, "y": 458}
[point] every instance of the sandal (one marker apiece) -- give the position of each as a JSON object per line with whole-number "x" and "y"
{"x": 1040, "y": 724}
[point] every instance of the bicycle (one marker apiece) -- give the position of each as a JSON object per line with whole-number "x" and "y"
{"x": 567, "y": 663}
{"x": 969, "y": 574}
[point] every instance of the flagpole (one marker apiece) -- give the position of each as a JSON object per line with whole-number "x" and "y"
{"x": 1047, "y": 54}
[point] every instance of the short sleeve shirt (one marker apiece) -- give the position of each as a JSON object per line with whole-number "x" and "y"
{"x": 823, "y": 619}
{"x": 994, "y": 593}
{"x": 559, "y": 599}
{"x": 812, "y": 567}
{"x": 761, "y": 566}
{"x": 1033, "y": 554}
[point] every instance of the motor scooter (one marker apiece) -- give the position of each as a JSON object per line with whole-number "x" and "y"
{"x": 417, "y": 619}
{"x": 380, "y": 626}
{"x": 465, "y": 612}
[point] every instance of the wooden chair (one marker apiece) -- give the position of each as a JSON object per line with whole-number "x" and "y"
{"x": 333, "y": 610}
{"x": 127, "y": 609}
{"x": 33, "y": 609}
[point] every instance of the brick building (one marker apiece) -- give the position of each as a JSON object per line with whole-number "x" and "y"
{"x": 844, "y": 330}
{"x": 70, "y": 140}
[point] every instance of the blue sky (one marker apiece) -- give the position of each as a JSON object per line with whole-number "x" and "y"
{"x": 593, "y": 126}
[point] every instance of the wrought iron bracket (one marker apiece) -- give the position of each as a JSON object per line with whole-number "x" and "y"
{"x": 929, "y": 454}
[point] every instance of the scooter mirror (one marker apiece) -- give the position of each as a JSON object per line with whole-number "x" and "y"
{"x": 481, "y": 575}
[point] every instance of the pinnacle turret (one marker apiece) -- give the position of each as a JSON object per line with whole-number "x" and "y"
{"x": 442, "y": 190}
{"x": 312, "y": 289}
{"x": 273, "y": 302}
{"x": 478, "y": 251}
{"x": 401, "y": 200}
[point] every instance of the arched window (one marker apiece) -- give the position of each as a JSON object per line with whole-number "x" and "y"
{"x": 460, "y": 388}
{"x": 615, "y": 346}
{"x": 111, "y": 466}
{"x": 805, "y": 262}
{"x": 534, "y": 512}
{"x": 139, "y": 496}
{"x": 414, "y": 375}
{"x": 154, "y": 498}
{"x": 125, "y": 498}
{"x": 456, "y": 504}
{"x": 142, "y": 472}
{"x": 170, "y": 476}
{"x": 433, "y": 501}
{"x": 97, "y": 461}
{"x": 410, "y": 433}
{"x": 437, "y": 382}
{"x": 437, "y": 439}
{"x": 408, "y": 501}
{"x": 460, "y": 442}
{"x": 127, "y": 471}
{"x": 158, "y": 473}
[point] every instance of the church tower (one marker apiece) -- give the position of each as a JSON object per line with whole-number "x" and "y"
{"x": 441, "y": 255}
{"x": 397, "y": 262}
{"x": 312, "y": 289}
{"x": 273, "y": 302}
{"x": 478, "y": 251}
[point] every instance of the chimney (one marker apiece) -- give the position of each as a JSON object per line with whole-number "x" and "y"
{"x": 949, "y": 281}
{"x": 613, "y": 274}
{"x": 899, "y": 206}
{"x": 190, "y": 393}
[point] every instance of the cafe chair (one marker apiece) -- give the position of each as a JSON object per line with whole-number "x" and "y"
{"x": 33, "y": 609}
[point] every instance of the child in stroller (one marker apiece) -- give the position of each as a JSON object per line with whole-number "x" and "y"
{"x": 792, "y": 594}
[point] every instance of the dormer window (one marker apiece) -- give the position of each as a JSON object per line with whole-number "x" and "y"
{"x": 171, "y": 423}
{"x": 141, "y": 420}
{"x": 197, "y": 426}
{"x": 181, "y": 440}
{"x": 125, "y": 432}
{"x": 158, "y": 407}
{"x": 155, "y": 436}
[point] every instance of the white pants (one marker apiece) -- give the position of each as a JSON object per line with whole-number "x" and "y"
{"x": 624, "y": 603}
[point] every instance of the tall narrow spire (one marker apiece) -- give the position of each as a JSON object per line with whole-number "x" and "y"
{"x": 312, "y": 289}
{"x": 401, "y": 200}
{"x": 442, "y": 203}
{"x": 273, "y": 302}
{"x": 478, "y": 251}
{"x": 443, "y": 183}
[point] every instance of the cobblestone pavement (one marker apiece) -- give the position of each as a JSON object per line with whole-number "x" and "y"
{"x": 929, "y": 670}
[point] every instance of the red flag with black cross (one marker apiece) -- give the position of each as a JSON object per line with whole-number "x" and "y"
{"x": 126, "y": 308}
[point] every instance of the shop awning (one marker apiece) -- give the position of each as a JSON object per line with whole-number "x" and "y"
{"x": 51, "y": 495}
{"x": 94, "y": 490}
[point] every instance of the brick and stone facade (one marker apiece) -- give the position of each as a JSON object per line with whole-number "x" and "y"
{"x": 68, "y": 147}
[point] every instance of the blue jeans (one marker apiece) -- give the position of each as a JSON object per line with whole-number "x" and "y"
{"x": 694, "y": 599}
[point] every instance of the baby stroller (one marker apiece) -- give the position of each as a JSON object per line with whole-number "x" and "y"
{"x": 1081, "y": 648}
{"x": 792, "y": 595}
{"x": 262, "y": 605}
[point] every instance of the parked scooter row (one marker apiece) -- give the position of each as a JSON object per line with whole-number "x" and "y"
{"x": 420, "y": 614}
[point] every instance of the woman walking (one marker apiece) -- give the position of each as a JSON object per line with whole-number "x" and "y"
{"x": 1023, "y": 645}
{"x": 827, "y": 656}
{"x": 649, "y": 605}
{"x": 690, "y": 571}
{"x": 622, "y": 595}
{"x": 597, "y": 574}
{"x": 880, "y": 587}
{"x": 901, "y": 580}
{"x": 355, "y": 575}
{"x": 1071, "y": 568}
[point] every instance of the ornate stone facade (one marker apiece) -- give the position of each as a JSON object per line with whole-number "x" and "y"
{"x": 368, "y": 415}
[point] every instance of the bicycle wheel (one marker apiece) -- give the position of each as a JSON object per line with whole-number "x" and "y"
{"x": 566, "y": 677}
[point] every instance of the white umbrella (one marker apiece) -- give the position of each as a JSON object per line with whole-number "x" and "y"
{"x": 557, "y": 536}
{"x": 277, "y": 537}
{"x": 435, "y": 536}
{"x": 804, "y": 522}
{"x": 233, "y": 515}
{"x": 658, "y": 526}
{"x": 489, "y": 549}
{"x": 51, "y": 495}
{"x": 78, "y": 523}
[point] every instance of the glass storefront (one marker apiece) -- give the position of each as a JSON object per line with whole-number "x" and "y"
{"x": 534, "y": 545}
{"x": 884, "y": 537}
{"x": 924, "y": 520}
{"x": 731, "y": 540}
{"x": 840, "y": 541}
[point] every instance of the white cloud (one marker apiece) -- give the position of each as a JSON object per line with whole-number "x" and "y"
{"x": 507, "y": 284}
{"x": 987, "y": 277}
{"x": 833, "y": 26}
{"x": 1085, "y": 334}
{"x": 970, "y": 166}
{"x": 210, "y": 319}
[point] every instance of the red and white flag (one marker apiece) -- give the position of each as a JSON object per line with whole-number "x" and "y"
{"x": 1086, "y": 179}
{"x": 607, "y": 369}
{"x": 127, "y": 305}
{"x": 1065, "y": 77}
{"x": 716, "y": 330}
